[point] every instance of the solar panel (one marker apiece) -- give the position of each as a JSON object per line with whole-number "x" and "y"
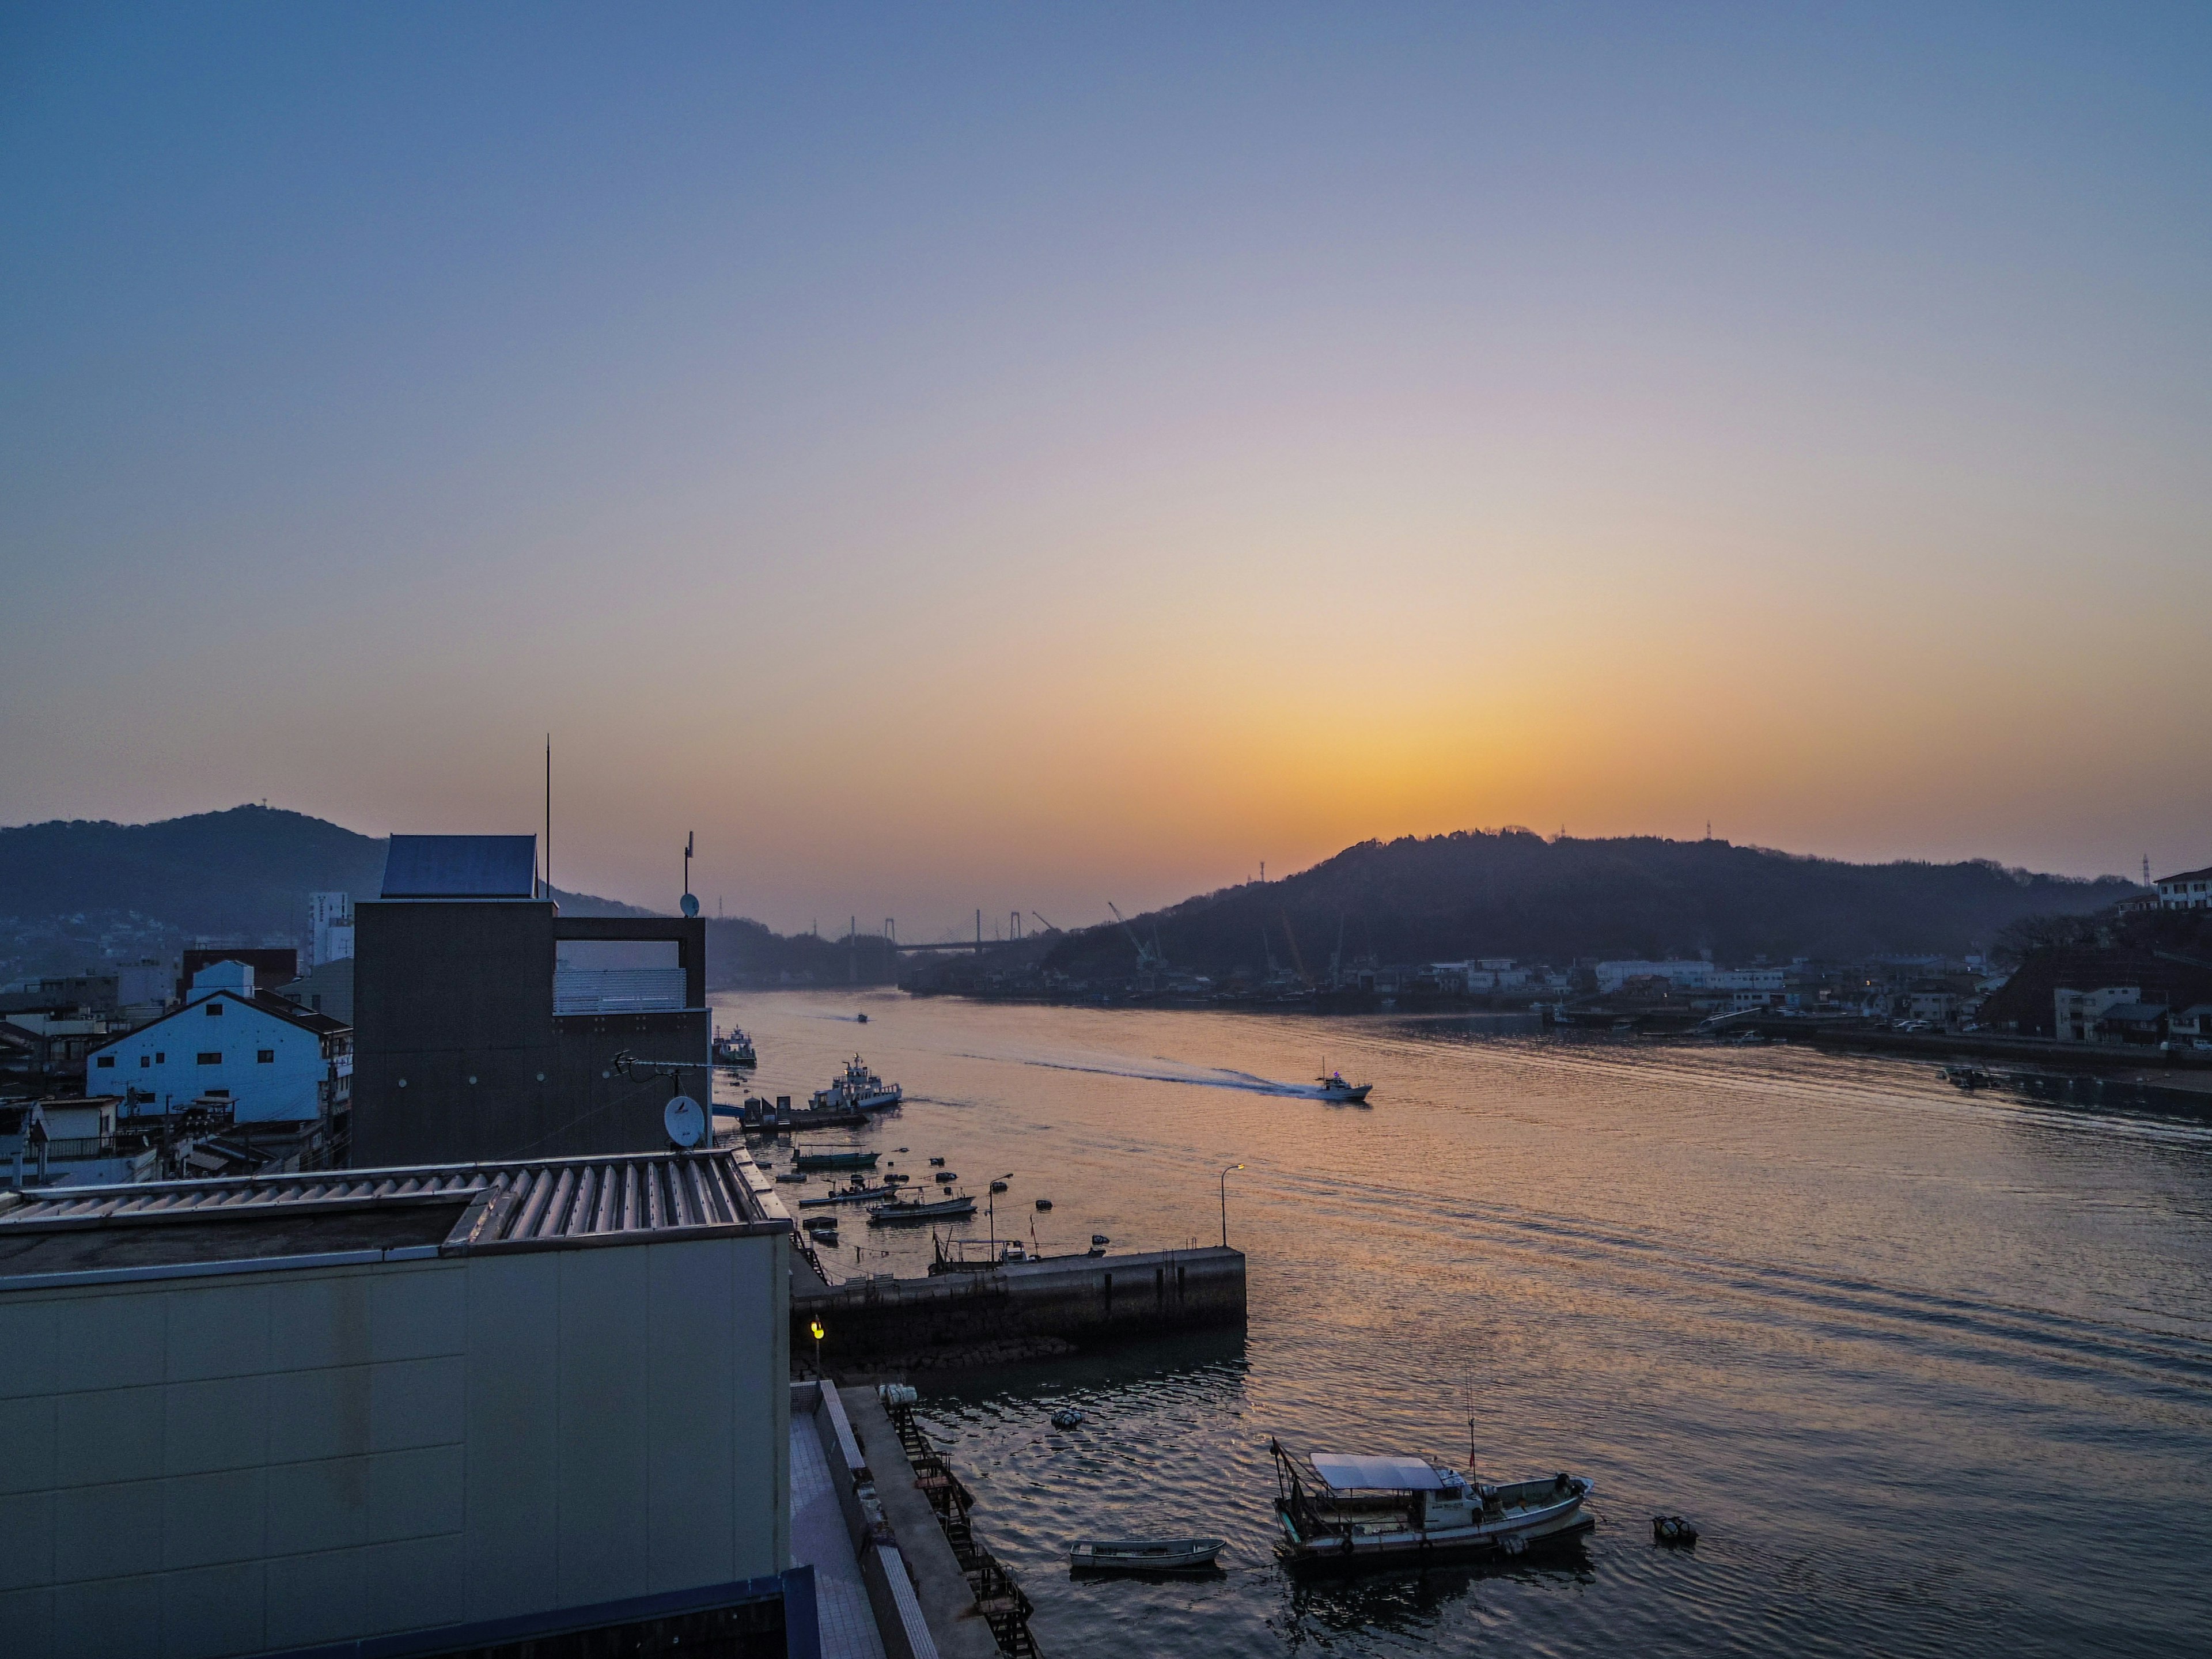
{"x": 461, "y": 866}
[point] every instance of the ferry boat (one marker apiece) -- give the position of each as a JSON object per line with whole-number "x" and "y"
{"x": 1349, "y": 1513}
{"x": 1334, "y": 1087}
{"x": 734, "y": 1049}
{"x": 859, "y": 1091}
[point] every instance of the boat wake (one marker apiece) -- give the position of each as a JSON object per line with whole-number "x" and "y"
{"x": 1195, "y": 1076}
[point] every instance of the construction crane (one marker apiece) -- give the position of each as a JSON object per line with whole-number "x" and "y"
{"x": 1298, "y": 961}
{"x": 1047, "y": 926}
{"x": 1148, "y": 958}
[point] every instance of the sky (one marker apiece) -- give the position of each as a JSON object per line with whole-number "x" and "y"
{"x": 976, "y": 456}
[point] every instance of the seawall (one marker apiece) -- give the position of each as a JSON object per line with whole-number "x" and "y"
{"x": 1080, "y": 1299}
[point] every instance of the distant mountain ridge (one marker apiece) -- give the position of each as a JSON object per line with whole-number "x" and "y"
{"x": 1512, "y": 893}
{"x": 248, "y": 870}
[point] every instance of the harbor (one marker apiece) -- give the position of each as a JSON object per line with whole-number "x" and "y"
{"x": 1614, "y": 1248}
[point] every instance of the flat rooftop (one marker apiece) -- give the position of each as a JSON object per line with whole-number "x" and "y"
{"x": 159, "y": 1229}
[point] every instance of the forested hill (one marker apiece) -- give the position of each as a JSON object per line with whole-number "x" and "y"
{"x": 1515, "y": 894}
{"x": 245, "y": 871}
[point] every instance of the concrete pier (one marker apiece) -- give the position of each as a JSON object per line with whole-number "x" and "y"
{"x": 1080, "y": 1299}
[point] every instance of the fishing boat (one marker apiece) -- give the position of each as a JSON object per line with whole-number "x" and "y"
{"x": 855, "y": 1193}
{"x": 859, "y": 1091}
{"x": 734, "y": 1049}
{"x": 1334, "y": 1088}
{"x": 1144, "y": 1554}
{"x": 841, "y": 1160}
{"x": 1346, "y": 1512}
{"x": 900, "y": 1211}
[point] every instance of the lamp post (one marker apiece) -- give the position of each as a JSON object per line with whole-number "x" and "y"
{"x": 816, "y": 1327}
{"x": 1225, "y": 1204}
{"x": 991, "y": 1211}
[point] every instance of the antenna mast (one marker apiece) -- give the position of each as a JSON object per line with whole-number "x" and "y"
{"x": 549, "y": 815}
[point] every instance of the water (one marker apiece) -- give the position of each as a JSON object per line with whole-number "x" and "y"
{"x": 1931, "y": 1371}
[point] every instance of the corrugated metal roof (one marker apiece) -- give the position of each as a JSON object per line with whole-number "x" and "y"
{"x": 516, "y": 1205}
{"x": 461, "y": 866}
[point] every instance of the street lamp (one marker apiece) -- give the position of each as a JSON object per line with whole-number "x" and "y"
{"x": 1225, "y": 1204}
{"x": 816, "y": 1327}
{"x": 991, "y": 1211}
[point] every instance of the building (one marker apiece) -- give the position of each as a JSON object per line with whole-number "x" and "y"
{"x": 2192, "y": 1024}
{"x": 1683, "y": 975}
{"x": 2076, "y": 1014}
{"x": 272, "y": 965}
{"x": 64, "y": 1143}
{"x": 489, "y": 1026}
{"x": 330, "y": 930}
{"x": 126, "y": 992}
{"x": 2140, "y": 1022}
{"x": 2192, "y": 890}
{"x": 42, "y": 1053}
{"x": 257, "y": 1415}
{"x": 275, "y": 1061}
{"x": 327, "y": 988}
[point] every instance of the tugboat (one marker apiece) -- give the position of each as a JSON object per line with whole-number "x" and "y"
{"x": 1334, "y": 1088}
{"x": 734, "y": 1049}
{"x": 1349, "y": 1513}
{"x": 859, "y": 1091}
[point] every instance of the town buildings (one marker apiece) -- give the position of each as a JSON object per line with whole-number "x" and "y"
{"x": 273, "y": 1060}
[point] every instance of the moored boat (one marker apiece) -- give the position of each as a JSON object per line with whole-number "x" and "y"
{"x": 858, "y": 1193}
{"x": 1144, "y": 1554}
{"x": 1336, "y": 1511}
{"x": 900, "y": 1211}
{"x": 841, "y": 1159}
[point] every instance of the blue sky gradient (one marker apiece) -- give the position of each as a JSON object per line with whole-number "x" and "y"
{"x": 997, "y": 455}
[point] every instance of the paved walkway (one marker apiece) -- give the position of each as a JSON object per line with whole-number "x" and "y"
{"x": 818, "y": 1538}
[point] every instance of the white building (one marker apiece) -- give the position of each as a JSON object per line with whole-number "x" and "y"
{"x": 252, "y": 1416}
{"x": 329, "y": 929}
{"x": 276, "y": 1062}
{"x": 2192, "y": 890}
{"x": 2078, "y": 1012}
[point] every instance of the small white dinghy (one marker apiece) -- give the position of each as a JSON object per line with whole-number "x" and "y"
{"x": 1144, "y": 1554}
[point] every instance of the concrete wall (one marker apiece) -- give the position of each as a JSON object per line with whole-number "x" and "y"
{"x": 242, "y": 1463}
{"x": 1081, "y": 1300}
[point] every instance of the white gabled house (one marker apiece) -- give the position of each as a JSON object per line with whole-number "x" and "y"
{"x": 276, "y": 1062}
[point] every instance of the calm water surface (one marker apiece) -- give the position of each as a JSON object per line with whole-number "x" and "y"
{"x": 1933, "y": 1373}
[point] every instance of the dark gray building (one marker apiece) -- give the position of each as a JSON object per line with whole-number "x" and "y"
{"x": 488, "y": 1027}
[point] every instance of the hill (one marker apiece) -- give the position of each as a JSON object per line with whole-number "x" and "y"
{"x": 1511, "y": 893}
{"x": 245, "y": 871}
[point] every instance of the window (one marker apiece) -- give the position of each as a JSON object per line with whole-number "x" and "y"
{"x": 145, "y": 1061}
{"x": 265, "y": 1057}
{"x": 214, "y": 1007}
{"x": 107, "y": 1060}
{"x": 160, "y": 1058}
{"x": 210, "y": 1060}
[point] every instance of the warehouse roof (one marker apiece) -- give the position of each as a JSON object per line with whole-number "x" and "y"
{"x": 168, "y": 1226}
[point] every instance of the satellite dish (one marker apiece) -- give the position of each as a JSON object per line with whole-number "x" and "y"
{"x": 684, "y": 1120}
{"x": 690, "y": 904}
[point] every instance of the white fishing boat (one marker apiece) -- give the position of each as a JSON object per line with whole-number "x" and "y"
{"x": 1337, "y": 1511}
{"x": 1334, "y": 1088}
{"x": 859, "y": 1091}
